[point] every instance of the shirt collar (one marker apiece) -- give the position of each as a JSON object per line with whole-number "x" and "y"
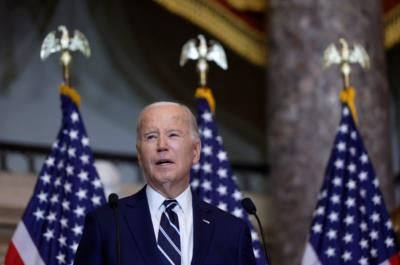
{"x": 156, "y": 200}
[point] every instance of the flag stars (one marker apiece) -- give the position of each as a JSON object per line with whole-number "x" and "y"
{"x": 45, "y": 178}
{"x": 96, "y": 183}
{"x": 341, "y": 146}
{"x": 337, "y": 181}
{"x": 96, "y": 200}
{"x": 84, "y": 159}
{"x": 71, "y": 152}
{"x": 351, "y": 184}
{"x": 344, "y": 128}
{"x": 51, "y": 217}
{"x": 350, "y": 202}
{"x": 61, "y": 258}
{"x": 375, "y": 218}
{"x": 352, "y": 168}
{"x": 363, "y": 261}
{"x": 79, "y": 211}
{"x": 376, "y": 199}
{"x": 207, "y": 133}
{"x": 320, "y": 210}
{"x": 54, "y": 199}
{"x": 349, "y": 220}
{"x": 65, "y": 205}
{"x": 207, "y": 116}
{"x": 57, "y": 182}
{"x": 222, "y": 156}
{"x": 332, "y": 234}
{"x": 364, "y": 158}
{"x": 81, "y": 194}
{"x": 206, "y": 185}
{"x": 73, "y": 134}
{"x": 67, "y": 187}
{"x": 364, "y": 243}
{"x": 389, "y": 242}
{"x": 222, "y": 173}
{"x": 195, "y": 183}
{"x": 339, "y": 164}
{"x": 353, "y": 135}
{"x": 39, "y": 214}
{"x": 317, "y": 228}
{"x": 62, "y": 240}
{"x": 49, "y": 234}
{"x": 83, "y": 176}
{"x": 77, "y": 229}
{"x": 42, "y": 196}
{"x": 70, "y": 170}
{"x": 345, "y": 111}
{"x": 238, "y": 212}
{"x": 330, "y": 252}
{"x": 254, "y": 235}
{"x": 376, "y": 182}
{"x": 74, "y": 116}
{"x": 222, "y": 190}
{"x": 335, "y": 199}
{"x": 352, "y": 151}
{"x": 207, "y": 150}
{"x": 50, "y": 161}
{"x": 207, "y": 169}
{"x": 363, "y": 226}
{"x": 237, "y": 195}
{"x": 363, "y": 176}
{"x": 223, "y": 206}
{"x": 346, "y": 256}
{"x": 348, "y": 238}
{"x": 388, "y": 224}
{"x": 74, "y": 246}
{"x": 374, "y": 252}
{"x": 374, "y": 235}
{"x": 333, "y": 217}
{"x": 64, "y": 222}
{"x": 85, "y": 141}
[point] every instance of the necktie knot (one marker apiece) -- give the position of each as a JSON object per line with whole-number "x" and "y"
{"x": 170, "y": 205}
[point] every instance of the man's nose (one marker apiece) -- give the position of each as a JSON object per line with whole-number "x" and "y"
{"x": 162, "y": 143}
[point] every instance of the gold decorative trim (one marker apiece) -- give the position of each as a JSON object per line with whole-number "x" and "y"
{"x": 211, "y": 16}
{"x": 206, "y": 93}
{"x": 249, "y": 5}
{"x": 348, "y": 96}
{"x": 71, "y": 93}
{"x": 392, "y": 27}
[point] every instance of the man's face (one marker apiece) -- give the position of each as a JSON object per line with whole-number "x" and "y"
{"x": 167, "y": 148}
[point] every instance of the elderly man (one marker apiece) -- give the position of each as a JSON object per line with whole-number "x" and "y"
{"x": 165, "y": 223}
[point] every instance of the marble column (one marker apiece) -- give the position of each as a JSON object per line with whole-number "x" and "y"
{"x": 303, "y": 108}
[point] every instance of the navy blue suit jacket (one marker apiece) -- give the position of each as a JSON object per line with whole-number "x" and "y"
{"x": 220, "y": 239}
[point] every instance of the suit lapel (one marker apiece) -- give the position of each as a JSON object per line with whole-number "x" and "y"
{"x": 203, "y": 228}
{"x": 137, "y": 216}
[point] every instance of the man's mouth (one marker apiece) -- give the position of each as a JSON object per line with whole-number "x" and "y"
{"x": 163, "y": 162}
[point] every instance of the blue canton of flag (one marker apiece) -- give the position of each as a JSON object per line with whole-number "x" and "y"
{"x": 68, "y": 187}
{"x": 212, "y": 178}
{"x": 351, "y": 224}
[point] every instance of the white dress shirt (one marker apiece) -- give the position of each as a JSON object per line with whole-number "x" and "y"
{"x": 184, "y": 211}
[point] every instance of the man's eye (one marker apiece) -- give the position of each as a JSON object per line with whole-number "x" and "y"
{"x": 150, "y": 137}
{"x": 173, "y": 135}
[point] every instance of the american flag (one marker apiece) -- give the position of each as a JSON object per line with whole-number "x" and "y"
{"x": 350, "y": 224}
{"x": 212, "y": 178}
{"x": 67, "y": 188}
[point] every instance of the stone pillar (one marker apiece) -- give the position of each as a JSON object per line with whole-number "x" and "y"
{"x": 303, "y": 108}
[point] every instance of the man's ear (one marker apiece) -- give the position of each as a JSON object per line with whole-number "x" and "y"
{"x": 139, "y": 157}
{"x": 196, "y": 152}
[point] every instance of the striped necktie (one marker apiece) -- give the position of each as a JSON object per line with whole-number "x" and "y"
{"x": 169, "y": 239}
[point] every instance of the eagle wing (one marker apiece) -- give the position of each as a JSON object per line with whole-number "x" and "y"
{"x": 217, "y": 54}
{"x": 189, "y": 51}
{"x": 50, "y": 45}
{"x": 359, "y": 55}
{"x": 331, "y": 55}
{"x": 79, "y": 43}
